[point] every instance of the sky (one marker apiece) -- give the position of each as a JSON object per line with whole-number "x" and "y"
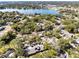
{"x": 39, "y": 0}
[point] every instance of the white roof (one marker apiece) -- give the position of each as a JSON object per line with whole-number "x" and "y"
{"x": 77, "y": 40}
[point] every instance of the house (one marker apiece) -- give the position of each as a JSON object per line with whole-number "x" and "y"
{"x": 9, "y": 23}
{"x": 10, "y": 53}
{"x": 33, "y": 49}
{"x": 62, "y": 54}
{"x": 40, "y": 33}
{"x": 65, "y": 55}
{"x": 65, "y": 34}
{"x": 58, "y": 22}
{"x": 52, "y": 40}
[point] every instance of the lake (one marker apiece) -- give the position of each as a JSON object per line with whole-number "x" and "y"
{"x": 31, "y": 11}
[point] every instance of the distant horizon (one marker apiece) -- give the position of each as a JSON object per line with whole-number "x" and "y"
{"x": 37, "y": 0}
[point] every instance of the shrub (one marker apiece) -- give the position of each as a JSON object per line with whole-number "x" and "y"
{"x": 47, "y": 46}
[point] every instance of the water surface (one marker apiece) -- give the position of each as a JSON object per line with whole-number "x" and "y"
{"x": 31, "y": 11}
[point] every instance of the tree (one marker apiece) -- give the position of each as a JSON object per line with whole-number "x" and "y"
{"x": 65, "y": 44}
{"x": 53, "y": 20}
{"x": 8, "y": 37}
{"x": 2, "y": 22}
{"x": 48, "y": 25}
{"x": 70, "y": 28}
{"x": 18, "y": 46}
{"x": 28, "y": 27}
{"x": 35, "y": 39}
{"x": 2, "y": 43}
